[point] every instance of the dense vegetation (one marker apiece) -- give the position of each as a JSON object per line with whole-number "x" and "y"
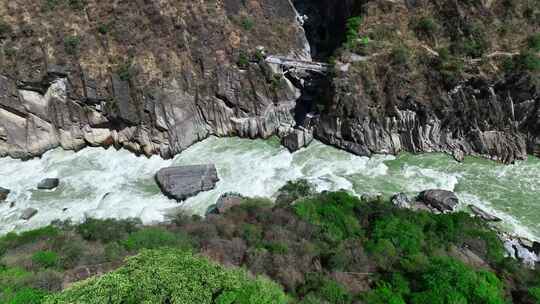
{"x": 318, "y": 247}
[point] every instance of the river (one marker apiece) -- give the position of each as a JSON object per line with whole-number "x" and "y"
{"x": 107, "y": 183}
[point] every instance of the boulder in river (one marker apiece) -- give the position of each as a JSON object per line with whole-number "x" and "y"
{"x": 4, "y": 194}
{"x": 401, "y": 200}
{"x": 297, "y": 138}
{"x": 483, "y": 214}
{"x": 441, "y": 200}
{"x": 28, "y": 213}
{"x": 48, "y": 184}
{"x": 183, "y": 182}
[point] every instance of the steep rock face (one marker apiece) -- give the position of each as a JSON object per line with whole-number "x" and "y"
{"x": 152, "y": 76}
{"x": 426, "y": 76}
{"x": 497, "y": 120}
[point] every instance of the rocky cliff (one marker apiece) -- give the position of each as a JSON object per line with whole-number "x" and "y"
{"x": 150, "y": 76}
{"x": 156, "y": 76}
{"x": 450, "y": 76}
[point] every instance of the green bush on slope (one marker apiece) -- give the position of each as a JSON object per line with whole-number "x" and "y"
{"x": 172, "y": 276}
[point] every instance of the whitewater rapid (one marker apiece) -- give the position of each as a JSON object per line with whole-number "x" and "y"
{"x": 108, "y": 183}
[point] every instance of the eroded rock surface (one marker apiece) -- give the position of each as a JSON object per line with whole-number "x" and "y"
{"x": 183, "y": 182}
{"x": 4, "y": 194}
{"x": 48, "y": 184}
{"x": 442, "y": 200}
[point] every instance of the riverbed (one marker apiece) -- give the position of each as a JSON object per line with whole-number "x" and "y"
{"x": 107, "y": 183}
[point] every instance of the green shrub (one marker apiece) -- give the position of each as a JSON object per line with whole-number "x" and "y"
{"x": 320, "y": 289}
{"x": 71, "y": 45}
{"x": 107, "y": 230}
{"x": 248, "y": 23}
{"x": 13, "y": 278}
{"x": 450, "y": 281}
{"x": 152, "y": 238}
{"x": 298, "y": 188}
{"x": 277, "y": 247}
{"x": 12, "y": 239}
{"x": 534, "y": 42}
{"x": 351, "y": 32}
{"x": 77, "y": 4}
{"x": 243, "y": 60}
{"x": 71, "y": 253}
{"x": 45, "y": 259}
{"x": 384, "y": 294}
{"x": 27, "y": 296}
{"x": 426, "y": 26}
{"x": 333, "y": 212}
{"x": 126, "y": 71}
{"x": 114, "y": 251}
{"x": 171, "y": 276}
{"x": 400, "y": 55}
{"x": 535, "y": 293}
{"x": 103, "y": 28}
{"x": 5, "y": 29}
{"x": 528, "y": 61}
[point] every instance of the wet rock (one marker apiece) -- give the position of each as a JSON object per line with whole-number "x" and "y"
{"x": 401, "y": 200}
{"x": 371, "y": 197}
{"x": 442, "y": 200}
{"x": 4, "y": 194}
{"x": 183, "y": 182}
{"x": 517, "y": 250}
{"x": 297, "y": 138}
{"x": 48, "y": 184}
{"x": 28, "y": 213}
{"x": 225, "y": 202}
{"x": 483, "y": 214}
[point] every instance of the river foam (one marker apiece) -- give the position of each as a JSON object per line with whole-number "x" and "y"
{"x": 108, "y": 183}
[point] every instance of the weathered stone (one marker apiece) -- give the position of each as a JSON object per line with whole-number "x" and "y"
{"x": 483, "y": 214}
{"x": 183, "y": 182}
{"x": 297, "y": 138}
{"x": 48, "y": 184}
{"x": 4, "y": 193}
{"x": 227, "y": 201}
{"x": 28, "y": 213}
{"x": 401, "y": 200}
{"x": 441, "y": 200}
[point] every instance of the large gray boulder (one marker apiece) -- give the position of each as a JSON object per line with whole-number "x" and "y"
{"x": 442, "y": 200}
{"x": 297, "y": 139}
{"x": 4, "y": 194}
{"x": 28, "y": 213}
{"x": 48, "y": 184}
{"x": 183, "y": 182}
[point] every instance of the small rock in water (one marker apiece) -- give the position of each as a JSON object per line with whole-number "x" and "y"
{"x": 48, "y": 184}
{"x": 183, "y": 182}
{"x": 28, "y": 213}
{"x": 4, "y": 194}
{"x": 483, "y": 214}
{"x": 442, "y": 200}
{"x": 401, "y": 200}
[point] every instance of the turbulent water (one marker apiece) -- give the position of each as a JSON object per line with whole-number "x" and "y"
{"x": 108, "y": 183}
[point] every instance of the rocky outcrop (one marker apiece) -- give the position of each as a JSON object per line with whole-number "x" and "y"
{"x": 401, "y": 200}
{"x": 442, "y": 200}
{"x": 474, "y": 119}
{"x": 48, "y": 184}
{"x": 152, "y": 89}
{"x": 180, "y": 183}
{"x": 4, "y": 194}
{"x": 225, "y": 202}
{"x": 483, "y": 214}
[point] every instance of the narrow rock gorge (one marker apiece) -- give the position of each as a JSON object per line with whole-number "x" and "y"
{"x": 156, "y": 77}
